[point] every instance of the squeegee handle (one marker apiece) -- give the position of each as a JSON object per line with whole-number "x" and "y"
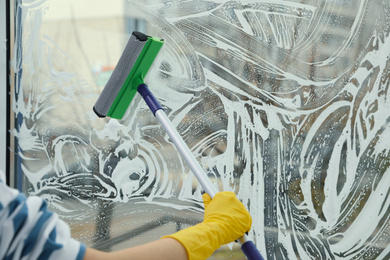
{"x": 247, "y": 246}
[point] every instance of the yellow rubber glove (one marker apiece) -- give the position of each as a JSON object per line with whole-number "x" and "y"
{"x": 225, "y": 220}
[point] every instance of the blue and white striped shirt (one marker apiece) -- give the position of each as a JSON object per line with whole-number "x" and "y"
{"x": 29, "y": 231}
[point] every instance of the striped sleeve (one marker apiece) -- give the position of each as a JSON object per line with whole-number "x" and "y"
{"x": 29, "y": 231}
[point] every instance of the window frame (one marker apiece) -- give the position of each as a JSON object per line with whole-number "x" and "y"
{"x": 4, "y": 83}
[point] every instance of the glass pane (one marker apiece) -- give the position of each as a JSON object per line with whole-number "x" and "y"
{"x": 283, "y": 102}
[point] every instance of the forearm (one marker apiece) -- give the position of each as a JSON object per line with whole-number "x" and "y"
{"x": 225, "y": 220}
{"x": 166, "y": 248}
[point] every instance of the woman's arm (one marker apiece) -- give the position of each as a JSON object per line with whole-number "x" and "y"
{"x": 225, "y": 220}
{"x": 166, "y": 248}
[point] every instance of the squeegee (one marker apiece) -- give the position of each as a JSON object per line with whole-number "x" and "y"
{"x": 125, "y": 81}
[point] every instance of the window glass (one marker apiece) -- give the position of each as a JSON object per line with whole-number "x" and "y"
{"x": 283, "y": 102}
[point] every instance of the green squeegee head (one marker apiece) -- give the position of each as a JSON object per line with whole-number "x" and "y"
{"x": 138, "y": 56}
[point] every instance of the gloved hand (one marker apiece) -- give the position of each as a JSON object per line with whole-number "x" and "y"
{"x": 225, "y": 220}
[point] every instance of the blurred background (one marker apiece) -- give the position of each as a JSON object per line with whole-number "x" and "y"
{"x": 282, "y": 102}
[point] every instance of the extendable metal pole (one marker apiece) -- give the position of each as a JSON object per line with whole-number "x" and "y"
{"x": 186, "y": 153}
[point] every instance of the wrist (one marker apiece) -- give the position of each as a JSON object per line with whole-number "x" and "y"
{"x": 200, "y": 241}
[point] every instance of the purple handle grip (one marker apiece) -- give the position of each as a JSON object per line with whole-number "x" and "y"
{"x": 251, "y": 251}
{"x": 152, "y": 102}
